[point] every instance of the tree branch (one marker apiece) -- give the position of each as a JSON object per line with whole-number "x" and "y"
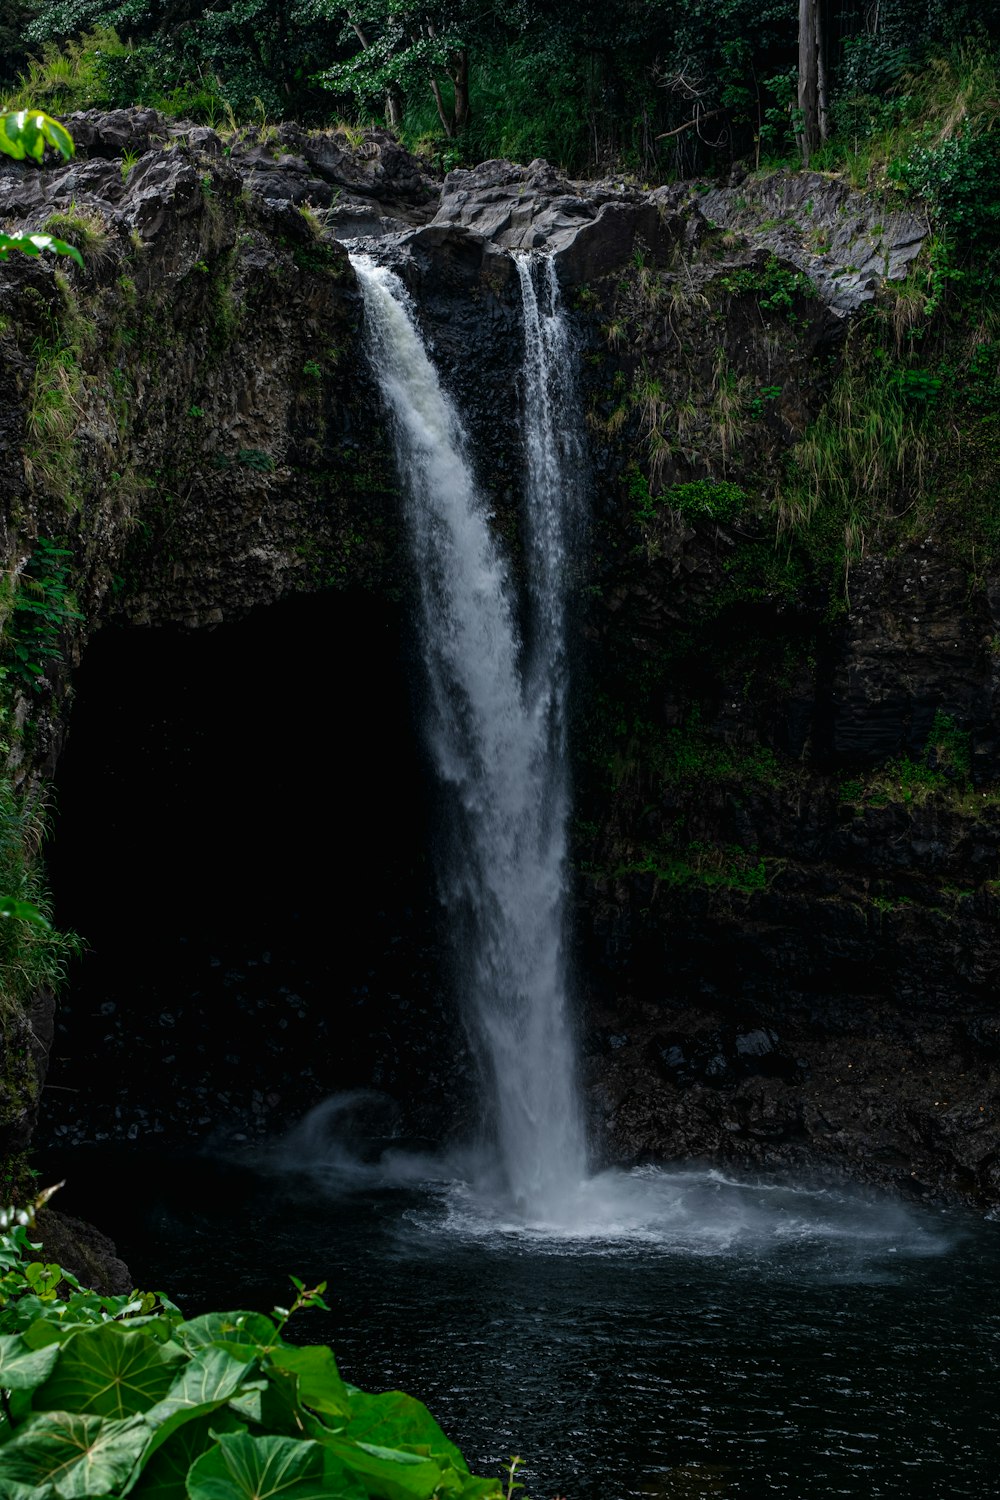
{"x": 688, "y": 124}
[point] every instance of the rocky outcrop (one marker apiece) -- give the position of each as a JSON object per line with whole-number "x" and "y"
{"x": 846, "y": 242}
{"x": 83, "y": 1250}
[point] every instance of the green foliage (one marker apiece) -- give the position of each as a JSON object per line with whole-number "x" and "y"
{"x": 867, "y": 450}
{"x": 37, "y": 244}
{"x": 699, "y": 500}
{"x": 699, "y": 863}
{"x": 661, "y": 90}
{"x": 84, "y": 228}
{"x": 707, "y": 499}
{"x": 774, "y": 286}
{"x": 943, "y": 766}
{"x": 28, "y": 132}
{"x": 33, "y": 955}
{"x": 43, "y": 608}
{"x": 529, "y": 100}
{"x": 959, "y": 179}
{"x": 924, "y": 125}
{"x": 108, "y": 1396}
{"x": 24, "y": 135}
{"x": 71, "y": 76}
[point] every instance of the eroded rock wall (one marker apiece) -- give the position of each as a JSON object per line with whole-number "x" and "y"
{"x": 787, "y": 837}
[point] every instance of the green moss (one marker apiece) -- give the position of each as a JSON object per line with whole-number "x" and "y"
{"x": 702, "y": 864}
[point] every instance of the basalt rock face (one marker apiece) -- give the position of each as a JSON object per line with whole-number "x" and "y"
{"x": 190, "y": 419}
{"x": 790, "y": 874}
{"x": 787, "y": 833}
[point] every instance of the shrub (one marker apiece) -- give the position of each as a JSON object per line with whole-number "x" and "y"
{"x": 123, "y": 1395}
{"x": 711, "y": 499}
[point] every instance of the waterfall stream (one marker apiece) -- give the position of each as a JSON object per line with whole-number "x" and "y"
{"x": 496, "y": 720}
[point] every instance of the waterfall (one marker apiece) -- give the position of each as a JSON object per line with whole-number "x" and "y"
{"x": 496, "y": 721}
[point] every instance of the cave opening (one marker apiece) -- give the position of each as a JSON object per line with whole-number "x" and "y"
{"x": 240, "y": 834}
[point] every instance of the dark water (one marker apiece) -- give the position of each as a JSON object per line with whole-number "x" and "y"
{"x": 733, "y": 1339}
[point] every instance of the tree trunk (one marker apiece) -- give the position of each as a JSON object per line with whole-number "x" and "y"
{"x": 447, "y": 124}
{"x": 394, "y": 106}
{"x": 811, "y": 71}
{"x": 458, "y": 70}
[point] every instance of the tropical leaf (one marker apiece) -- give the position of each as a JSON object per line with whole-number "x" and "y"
{"x": 44, "y": 1329}
{"x": 281, "y": 1411}
{"x": 204, "y": 1388}
{"x": 244, "y": 1334}
{"x": 241, "y": 1467}
{"x": 16, "y": 1491}
{"x": 395, "y": 1420}
{"x": 79, "y": 1456}
{"x": 208, "y": 1380}
{"x": 320, "y": 1385}
{"x": 247, "y": 1403}
{"x": 21, "y": 1367}
{"x": 26, "y": 911}
{"x": 164, "y": 1475}
{"x": 37, "y": 244}
{"x": 27, "y": 132}
{"x": 390, "y": 1473}
{"x": 108, "y": 1371}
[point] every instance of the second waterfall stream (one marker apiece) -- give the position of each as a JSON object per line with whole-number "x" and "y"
{"x": 495, "y": 720}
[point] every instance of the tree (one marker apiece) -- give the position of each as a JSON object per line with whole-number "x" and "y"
{"x": 404, "y": 45}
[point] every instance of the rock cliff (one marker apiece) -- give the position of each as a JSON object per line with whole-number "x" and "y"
{"x": 787, "y": 836}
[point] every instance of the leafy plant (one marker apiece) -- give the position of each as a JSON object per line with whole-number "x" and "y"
{"x": 43, "y": 607}
{"x": 718, "y": 500}
{"x": 114, "y": 1396}
{"x": 33, "y": 955}
{"x": 25, "y": 134}
{"x": 774, "y": 286}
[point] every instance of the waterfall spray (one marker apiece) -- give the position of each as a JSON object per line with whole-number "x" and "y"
{"x": 496, "y": 721}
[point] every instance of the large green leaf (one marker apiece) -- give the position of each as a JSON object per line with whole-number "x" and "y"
{"x": 27, "y": 911}
{"x": 207, "y": 1384}
{"x": 108, "y": 1371}
{"x": 247, "y": 1403}
{"x": 206, "y": 1380}
{"x": 394, "y": 1420}
{"x": 27, "y": 132}
{"x": 389, "y": 1473}
{"x": 21, "y": 1367}
{"x": 80, "y": 1456}
{"x": 164, "y": 1476}
{"x": 14, "y": 1490}
{"x": 244, "y": 1334}
{"x": 320, "y": 1385}
{"x": 44, "y": 1329}
{"x": 33, "y": 244}
{"x": 241, "y": 1467}
{"x": 281, "y": 1412}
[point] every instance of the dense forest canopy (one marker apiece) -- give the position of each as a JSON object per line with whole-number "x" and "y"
{"x": 658, "y": 87}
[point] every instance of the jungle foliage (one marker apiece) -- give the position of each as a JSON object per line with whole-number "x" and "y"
{"x": 122, "y": 1395}
{"x": 659, "y": 88}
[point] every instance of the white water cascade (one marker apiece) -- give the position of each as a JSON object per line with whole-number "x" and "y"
{"x": 496, "y": 722}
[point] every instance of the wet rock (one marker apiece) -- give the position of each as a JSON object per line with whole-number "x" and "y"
{"x": 845, "y": 242}
{"x": 80, "y": 1248}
